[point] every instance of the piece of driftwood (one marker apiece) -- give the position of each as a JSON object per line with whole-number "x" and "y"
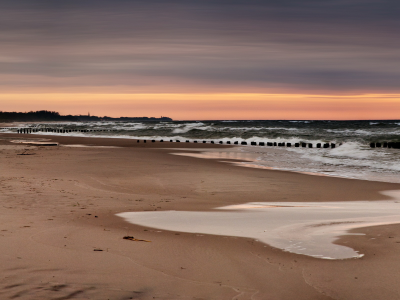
{"x": 131, "y": 238}
{"x": 26, "y": 153}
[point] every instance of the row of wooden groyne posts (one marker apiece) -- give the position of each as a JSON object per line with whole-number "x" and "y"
{"x": 33, "y": 130}
{"x": 304, "y": 145}
{"x": 395, "y": 145}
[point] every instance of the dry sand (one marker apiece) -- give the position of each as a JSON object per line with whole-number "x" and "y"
{"x": 58, "y": 209}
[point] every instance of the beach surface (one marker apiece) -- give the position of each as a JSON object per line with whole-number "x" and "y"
{"x": 61, "y": 239}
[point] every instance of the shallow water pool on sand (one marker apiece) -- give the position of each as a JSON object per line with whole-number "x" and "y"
{"x": 307, "y": 228}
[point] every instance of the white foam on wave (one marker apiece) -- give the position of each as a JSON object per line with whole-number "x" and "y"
{"x": 190, "y": 126}
{"x": 354, "y": 150}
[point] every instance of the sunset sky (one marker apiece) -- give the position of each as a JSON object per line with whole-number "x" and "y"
{"x": 219, "y": 59}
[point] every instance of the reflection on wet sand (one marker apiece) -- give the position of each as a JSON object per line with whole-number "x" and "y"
{"x": 245, "y": 159}
{"x": 232, "y": 153}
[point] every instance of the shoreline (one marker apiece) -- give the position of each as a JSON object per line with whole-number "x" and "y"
{"x": 192, "y": 148}
{"x": 50, "y": 201}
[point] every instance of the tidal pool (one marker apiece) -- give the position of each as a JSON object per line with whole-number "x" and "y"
{"x": 307, "y": 228}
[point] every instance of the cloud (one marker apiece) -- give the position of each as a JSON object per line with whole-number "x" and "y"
{"x": 233, "y": 45}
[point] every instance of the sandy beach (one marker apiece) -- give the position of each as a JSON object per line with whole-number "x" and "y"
{"x": 61, "y": 238}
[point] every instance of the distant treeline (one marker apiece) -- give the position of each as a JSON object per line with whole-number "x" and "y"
{"x": 45, "y": 115}
{"x": 34, "y": 116}
{"x": 127, "y": 119}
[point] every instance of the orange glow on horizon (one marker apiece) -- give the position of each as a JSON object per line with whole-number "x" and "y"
{"x": 221, "y": 106}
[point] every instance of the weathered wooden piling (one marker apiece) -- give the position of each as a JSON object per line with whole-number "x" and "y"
{"x": 243, "y": 143}
{"x": 333, "y": 145}
{"x": 372, "y": 145}
{"x": 310, "y": 145}
{"x": 253, "y": 143}
{"x": 326, "y": 145}
{"x": 274, "y": 144}
{"x": 303, "y": 145}
{"x": 228, "y": 142}
{"x": 221, "y": 142}
{"x": 194, "y": 141}
{"x": 288, "y": 144}
{"x": 261, "y": 144}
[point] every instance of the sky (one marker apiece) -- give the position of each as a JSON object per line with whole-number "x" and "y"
{"x": 186, "y": 59}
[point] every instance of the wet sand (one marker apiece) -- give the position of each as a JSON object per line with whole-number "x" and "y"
{"x": 60, "y": 238}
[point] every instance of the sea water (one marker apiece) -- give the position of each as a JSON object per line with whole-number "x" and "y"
{"x": 352, "y": 157}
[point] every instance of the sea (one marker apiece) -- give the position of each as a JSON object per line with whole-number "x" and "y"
{"x": 351, "y": 158}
